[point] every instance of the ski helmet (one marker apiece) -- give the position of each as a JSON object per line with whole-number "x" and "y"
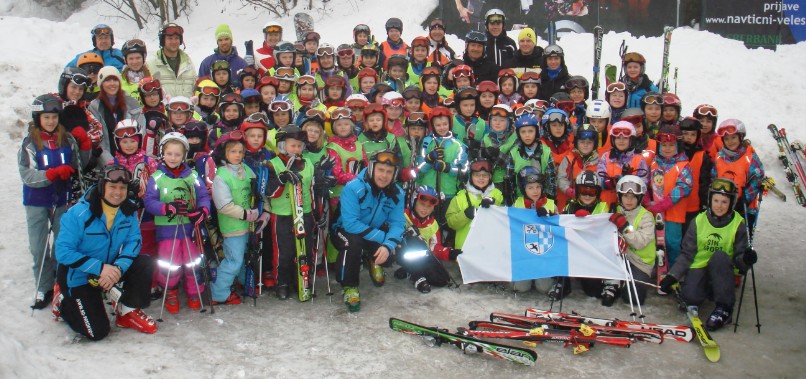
{"x": 377, "y": 108}
{"x": 75, "y": 75}
{"x": 586, "y": 132}
{"x": 134, "y": 46}
{"x": 387, "y": 157}
{"x": 440, "y": 111}
{"x": 478, "y": 165}
{"x": 671, "y": 100}
{"x": 426, "y": 194}
{"x": 256, "y": 121}
{"x": 731, "y": 126}
{"x": 412, "y": 92}
{"x": 670, "y": 133}
{"x": 631, "y": 184}
{"x": 465, "y": 93}
{"x": 528, "y": 175}
{"x": 285, "y": 47}
{"x": 90, "y": 62}
{"x": 289, "y": 132}
{"x": 148, "y": 85}
{"x": 634, "y": 57}
{"x": 495, "y": 15}
{"x": 554, "y": 114}
{"x": 538, "y": 105}
{"x": 311, "y": 36}
{"x": 394, "y": 23}
{"x": 623, "y": 129}
{"x": 171, "y": 29}
{"x": 507, "y": 73}
{"x": 502, "y": 110}
{"x": 691, "y": 124}
{"x": 463, "y": 70}
{"x": 588, "y": 179}
{"x": 370, "y": 50}
{"x": 598, "y": 109}
{"x": 634, "y": 116}
{"x": 196, "y": 129}
{"x": 113, "y": 173}
{"x": 100, "y": 30}
{"x": 208, "y": 87}
{"x": 527, "y": 119}
{"x": 651, "y": 98}
{"x": 248, "y": 71}
{"x": 175, "y": 137}
{"x": 231, "y": 99}
{"x": 553, "y": 51}
{"x": 47, "y": 103}
{"x": 179, "y": 104}
{"x": 475, "y": 36}
{"x": 393, "y": 99}
{"x": 723, "y": 186}
{"x": 356, "y": 100}
{"x": 417, "y": 119}
{"x": 281, "y": 103}
{"x": 420, "y": 41}
{"x": 128, "y": 128}
{"x": 577, "y": 81}
{"x": 361, "y": 28}
{"x": 706, "y": 110}
{"x": 272, "y": 27}
{"x": 562, "y": 101}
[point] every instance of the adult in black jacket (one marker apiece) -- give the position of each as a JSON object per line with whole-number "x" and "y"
{"x": 528, "y": 55}
{"x": 474, "y": 56}
{"x": 500, "y": 48}
{"x": 554, "y": 74}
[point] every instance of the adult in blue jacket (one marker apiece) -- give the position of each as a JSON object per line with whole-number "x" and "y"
{"x": 371, "y": 223}
{"x": 224, "y": 52}
{"x": 102, "y": 41}
{"x": 98, "y": 248}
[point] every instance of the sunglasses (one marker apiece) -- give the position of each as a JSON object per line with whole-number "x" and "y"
{"x": 587, "y": 191}
{"x": 635, "y": 119}
{"x": 726, "y": 130}
{"x": 126, "y": 132}
{"x": 172, "y": 29}
{"x": 653, "y": 99}
{"x": 499, "y": 112}
{"x": 325, "y": 50}
{"x": 285, "y": 73}
{"x": 617, "y": 86}
{"x": 340, "y": 113}
{"x": 666, "y": 137}
{"x": 385, "y": 157}
{"x": 211, "y": 91}
{"x": 220, "y": 65}
{"x": 280, "y": 106}
{"x": 428, "y": 199}
{"x": 134, "y": 44}
{"x": 118, "y": 175}
{"x": 530, "y": 77}
{"x": 149, "y": 85}
{"x": 258, "y": 117}
{"x": 315, "y": 113}
{"x": 487, "y": 86}
{"x": 179, "y": 107}
{"x": 346, "y": 53}
{"x": 707, "y": 110}
{"x": 481, "y": 165}
{"x": 272, "y": 29}
{"x": 621, "y": 132}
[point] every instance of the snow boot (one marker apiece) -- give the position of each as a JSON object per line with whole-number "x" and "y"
{"x": 719, "y": 317}
{"x": 42, "y": 299}
{"x": 136, "y": 320}
{"x": 282, "y": 291}
{"x": 609, "y": 293}
{"x": 56, "y": 305}
{"x": 172, "y": 301}
{"x": 231, "y": 300}
{"x": 422, "y": 285}
{"x": 194, "y": 303}
{"x": 376, "y": 274}
{"x": 352, "y": 299}
{"x": 156, "y": 293}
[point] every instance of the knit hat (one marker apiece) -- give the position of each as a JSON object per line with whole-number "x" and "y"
{"x": 223, "y": 31}
{"x": 108, "y": 72}
{"x": 527, "y": 33}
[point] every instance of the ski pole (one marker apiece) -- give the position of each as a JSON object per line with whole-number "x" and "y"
{"x": 635, "y": 290}
{"x": 45, "y": 254}
{"x": 675, "y": 79}
{"x": 168, "y": 277}
{"x": 195, "y": 263}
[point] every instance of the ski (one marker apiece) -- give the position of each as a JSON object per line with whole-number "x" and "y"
{"x": 676, "y": 332}
{"x": 785, "y": 157}
{"x": 797, "y": 146}
{"x": 552, "y": 32}
{"x": 622, "y": 50}
{"x": 582, "y": 339}
{"x": 598, "y": 35}
{"x": 303, "y": 269}
{"x": 469, "y": 345}
{"x": 663, "y": 83}
{"x": 709, "y": 346}
{"x": 252, "y": 261}
{"x": 662, "y": 260}
{"x": 769, "y": 185}
{"x": 610, "y": 74}
{"x": 652, "y": 336}
{"x": 303, "y": 23}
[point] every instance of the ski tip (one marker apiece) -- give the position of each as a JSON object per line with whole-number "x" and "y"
{"x": 712, "y": 353}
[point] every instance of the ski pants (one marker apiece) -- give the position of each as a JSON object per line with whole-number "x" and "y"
{"x": 180, "y": 257}
{"x": 39, "y": 224}
{"x": 641, "y": 291}
{"x": 716, "y": 276}
{"x": 83, "y": 307}
{"x": 285, "y": 247}
{"x": 352, "y": 250}
{"x": 674, "y": 238}
{"x": 231, "y": 267}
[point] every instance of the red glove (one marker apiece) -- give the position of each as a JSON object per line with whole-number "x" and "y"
{"x": 619, "y": 221}
{"x": 582, "y": 213}
{"x": 198, "y": 215}
{"x": 570, "y": 193}
{"x": 407, "y": 174}
{"x": 661, "y": 206}
{"x": 83, "y": 139}
{"x": 59, "y": 173}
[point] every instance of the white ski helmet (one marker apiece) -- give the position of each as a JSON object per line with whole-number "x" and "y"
{"x": 271, "y": 24}
{"x": 175, "y": 136}
{"x": 598, "y": 109}
{"x": 731, "y": 126}
{"x": 631, "y": 184}
{"x": 179, "y": 104}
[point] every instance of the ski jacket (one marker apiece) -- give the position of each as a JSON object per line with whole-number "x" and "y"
{"x": 84, "y": 243}
{"x": 500, "y": 49}
{"x": 389, "y": 48}
{"x": 468, "y": 197}
{"x": 701, "y": 166}
{"x": 109, "y": 121}
{"x": 484, "y": 68}
{"x": 264, "y": 57}
{"x": 530, "y": 61}
{"x": 232, "y": 195}
{"x": 673, "y": 177}
{"x": 707, "y": 227}
{"x": 37, "y": 190}
{"x": 747, "y": 172}
{"x": 236, "y": 63}
{"x": 611, "y": 168}
{"x": 178, "y": 83}
{"x": 78, "y": 114}
{"x": 570, "y": 166}
{"x": 440, "y": 53}
{"x": 455, "y": 156}
{"x": 165, "y": 187}
{"x": 374, "y": 214}
{"x": 549, "y": 85}
{"x": 349, "y": 158}
{"x": 641, "y": 245}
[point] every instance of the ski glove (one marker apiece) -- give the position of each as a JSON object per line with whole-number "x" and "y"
{"x": 491, "y": 152}
{"x": 180, "y": 206}
{"x": 435, "y": 155}
{"x": 327, "y": 163}
{"x": 661, "y": 206}
{"x": 249, "y": 59}
{"x": 582, "y": 213}
{"x": 619, "y": 221}
{"x": 408, "y": 174}
{"x": 59, "y": 173}
{"x": 541, "y": 212}
{"x": 211, "y": 119}
{"x": 454, "y": 254}
{"x": 750, "y": 256}
{"x": 83, "y": 139}
{"x": 288, "y": 177}
{"x": 262, "y": 221}
{"x": 610, "y": 183}
{"x": 198, "y": 215}
{"x": 441, "y": 166}
{"x": 487, "y": 201}
{"x": 470, "y": 213}
{"x": 251, "y": 215}
{"x": 667, "y": 283}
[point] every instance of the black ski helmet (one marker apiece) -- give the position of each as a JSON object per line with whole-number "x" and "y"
{"x": 528, "y": 175}
{"x": 47, "y": 103}
{"x": 588, "y": 179}
{"x": 72, "y": 74}
{"x": 725, "y": 187}
{"x": 394, "y": 23}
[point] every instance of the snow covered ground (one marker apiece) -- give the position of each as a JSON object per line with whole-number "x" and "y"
{"x": 320, "y": 339}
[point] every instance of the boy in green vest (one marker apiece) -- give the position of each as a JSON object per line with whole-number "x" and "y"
{"x": 530, "y": 184}
{"x": 640, "y": 239}
{"x": 287, "y": 170}
{"x": 714, "y": 248}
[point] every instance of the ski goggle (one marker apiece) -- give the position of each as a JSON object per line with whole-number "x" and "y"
{"x": 633, "y": 57}
{"x": 530, "y": 77}
{"x": 566, "y": 105}
{"x": 411, "y": 94}
{"x": 723, "y": 185}
{"x": 179, "y": 107}
{"x": 504, "y": 72}
{"x": 431, "y": 70}
{"x": 306, "y": 79}
{"x": 653, "y": 99}
{"x": 258, "y": 118}
{"x": 385, "y": 157}
{"x": 467, "y": 93}
{"x": 621, "y": 132}
{"x": 617, "y": 86}
{"x": 428, "y": 199}
{"x": 315, "y": 113}
{"x": 249, "y": 71}
{"x": 126, "y": 132}
{"x": 480, "y": 165}
{"x": 210, "y": 91}
{"x": 312, "y": 36}
{"x": 172, "y": 29}
{"x": 280, "y": 106}
{"x": 666, "y": 137}
{"x": 92, "y": 68}
{"x": 558, "y": 117}
{"x": 272, "y": 29}
{"x": 80, "y": 80}
{"x": 117, "y": 174}
{"x": 149, "y": 85}
{"x": 220, "y": 65}
{"x": 335, "y": 81}
{"x": 576, "y": 83}
{"x": 526, "y": 109}
{"x": 707, "y": 110}
{"x": 726, "y": 130}
{"x": 628, "y": 187}
{"x": 340, "y": 113}
{"x": 462, "y": 71}
{"x": 495, "y": 19}
{"x": 231, "y": 98}
{"x": 586, "y": 135}
{"x": 325, "y": 50}
{"x": 540, "y": 105}
{"x": 417, "y": 118}
{"x": 398, "y": 102}
{"x": 134, "y": 44}
{"x": 346, "y": 53}
{"x": 500, "y": 112}
{"x": 419, "y": 42}
{"x": 195, "y": 127}
{"x": 487, "y": 86}
{"x": 436, "y": 24}
{"x": 552, "y": 50}
{"x": 357, "y": 105}
{"x": 102, "y": 30}
{"x": 236, "y": 134}
{"x": 448, "y": 101}
{"x": 533, "y": 178}
{"x": 361, "y": 28}
{"x": 285, "y": 73}
{"x": 634, "y": 119}
{"x": 587, "y": 191}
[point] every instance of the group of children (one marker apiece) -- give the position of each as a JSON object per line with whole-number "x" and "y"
{"x": 236, "y": 163}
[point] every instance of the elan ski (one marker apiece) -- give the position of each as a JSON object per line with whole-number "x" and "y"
{"x": 469, "y": 345}
{"x": 676, "y": 332}
{"x": 598, "y": 34}
{"x": 790, "y": 166}
{"x": 303, "y": 269}
{"x": 648, "y": 335}
{"x": 663, "y": 83}
{"x": 582, "y": 339}
{"x": 709, "y": 346}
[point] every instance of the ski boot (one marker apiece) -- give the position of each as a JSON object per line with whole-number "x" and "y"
{"x": 609, "y": 293}
{"x": 401, "y": 273}
{"x": 282, "y": 291}
{"x": 42, "y": 299}
{"x": 172, "y": 301}
{"x": 422, "y": 285}
{"x": 194, "y": 303}
{"x": 233, "y": 299}
{"x": 136, "y": 320}
{"x": 376, "y": 274}
{"x": 719, "y": 317}
{"x": 56, "y": 305}
{"x": 352, "y": 299}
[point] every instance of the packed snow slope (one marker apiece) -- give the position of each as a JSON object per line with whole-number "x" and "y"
{"x": 320, "y": 339}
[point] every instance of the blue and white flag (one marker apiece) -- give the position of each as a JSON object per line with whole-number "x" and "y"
{"x": 511, "y": 244}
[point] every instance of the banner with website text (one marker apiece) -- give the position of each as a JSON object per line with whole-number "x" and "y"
{"x": 764, "y": 23}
